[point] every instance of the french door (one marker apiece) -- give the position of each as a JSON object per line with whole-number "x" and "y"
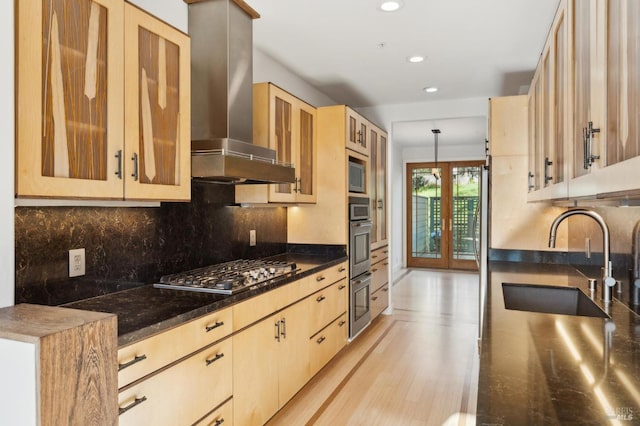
{"x": 442, "y": 212}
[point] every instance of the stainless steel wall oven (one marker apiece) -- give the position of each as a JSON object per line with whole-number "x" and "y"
{"x": 359, "y": 264}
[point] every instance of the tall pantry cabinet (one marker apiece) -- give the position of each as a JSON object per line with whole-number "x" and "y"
{"x": 82, "y": 67}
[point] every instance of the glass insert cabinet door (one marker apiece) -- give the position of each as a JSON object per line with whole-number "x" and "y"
{"x": 442, "y": 214}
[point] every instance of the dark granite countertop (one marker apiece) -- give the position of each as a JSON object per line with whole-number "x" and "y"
{"x": 538, "y": 368}
{"x": 145, "y": 311}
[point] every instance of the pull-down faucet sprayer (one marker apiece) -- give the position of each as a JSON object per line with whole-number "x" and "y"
{"x": 608, "y": 282}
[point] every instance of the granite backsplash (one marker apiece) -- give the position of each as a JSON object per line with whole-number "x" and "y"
{"x": 130, "y": 246}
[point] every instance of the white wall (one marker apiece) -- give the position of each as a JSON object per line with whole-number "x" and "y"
{"x": 7, "y": 243}
{"x": 174, "y": 12}
{"x": 266, "y": 69}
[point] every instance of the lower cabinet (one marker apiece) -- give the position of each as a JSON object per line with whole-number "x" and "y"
{"x": 327, "y": 342}
{"x": 270, "y": 364}
{"x": 223, "y": 415}
{"x": 379, "y": 300}
{"x": 183, "y": 393}
{"x": 379, "y": 296}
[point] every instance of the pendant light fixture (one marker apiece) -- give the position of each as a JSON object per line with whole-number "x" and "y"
{"x": 436, "y": 172}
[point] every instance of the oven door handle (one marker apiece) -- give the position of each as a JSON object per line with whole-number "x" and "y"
{"x": 366, "y": 275}
{"x": 362, "y": 223}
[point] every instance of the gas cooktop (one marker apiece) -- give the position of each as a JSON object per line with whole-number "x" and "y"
{"x": 228, "y": 278}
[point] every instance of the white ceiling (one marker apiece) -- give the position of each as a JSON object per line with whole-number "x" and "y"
{"x": 357, "y": 55}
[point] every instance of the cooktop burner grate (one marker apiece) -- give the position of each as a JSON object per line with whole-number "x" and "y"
{"x": 227, "y": 278}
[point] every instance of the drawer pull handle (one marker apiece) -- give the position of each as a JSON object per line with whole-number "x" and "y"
{"x": 341, "y": 323}
{"x": 374, "y": 298}
{"x": 214, "y": 326}
{"x": 342, "y": 269}
{"x": 135, "y": 360}
{"x": 320, "y": 340}
{"x": 137, "y": 401}
{"x": 320, "y": 299}
{"x": 320, "y": 278}
{"x": 215, "y": 358}
{"x": 218, "y": 422}
{"x": 386, "y": 263}
{"x": 386, "y": 251}
{"x": 375, "y": 256}
{"x": 342, "y": 287}
{"x": 374, "y": 270}
{"x": 385, "y": 289}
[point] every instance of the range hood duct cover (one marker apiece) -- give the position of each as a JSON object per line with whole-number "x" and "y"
{"x": 222, "y": 97}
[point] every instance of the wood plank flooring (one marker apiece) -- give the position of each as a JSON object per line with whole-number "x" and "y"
{"x": 416, "y": 366}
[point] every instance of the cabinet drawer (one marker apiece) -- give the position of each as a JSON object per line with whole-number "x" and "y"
{"x": 222, "y": 415}
{"x": 325, "y": 305}
{"x": 328, "y": 276}
{"x": 141, "y": 358}
{"x": 328, "y": 342}
{"x": 379, "y": 254}
{"x": 183, "y": 393}
{"x": 379, "y": 275}
{"x": 261, "y": 306}
{"x": 379, "y": 301}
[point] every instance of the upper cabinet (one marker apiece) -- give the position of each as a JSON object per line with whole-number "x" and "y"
{"x": 548, "y": 127}
{"x": 286, "y": 124}
{"x": 357, "y": 133}
{"x": 157, "y": 98}
{"x": 584, "y": 139}
{"x": 71, "y": 104}
{"x": 378, "y": 187}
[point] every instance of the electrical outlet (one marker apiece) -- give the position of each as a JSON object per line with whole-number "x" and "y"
{"x": 252, "y": 237}
{"x": 76, "y": 262}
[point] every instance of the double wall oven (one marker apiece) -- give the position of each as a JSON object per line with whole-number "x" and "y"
{"x": 359, "y": 264}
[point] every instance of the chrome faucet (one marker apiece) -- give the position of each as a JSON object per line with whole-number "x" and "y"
{"x": 608, "y": 282}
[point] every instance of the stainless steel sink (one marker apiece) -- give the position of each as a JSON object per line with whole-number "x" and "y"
{"x": 550, "y": 299}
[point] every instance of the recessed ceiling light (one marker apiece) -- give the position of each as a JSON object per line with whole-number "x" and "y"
{"x": 390, "y": 5}
{"x": 415, "y": 59}
{"x": 431, "y": 89}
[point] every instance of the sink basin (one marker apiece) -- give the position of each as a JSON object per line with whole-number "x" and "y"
{"x": 550, "y": 300}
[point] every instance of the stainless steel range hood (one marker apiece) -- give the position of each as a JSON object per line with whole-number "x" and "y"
{"x": 222, "y": 97}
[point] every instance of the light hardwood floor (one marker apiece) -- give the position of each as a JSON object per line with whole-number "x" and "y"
{"x": 416, "y": 366}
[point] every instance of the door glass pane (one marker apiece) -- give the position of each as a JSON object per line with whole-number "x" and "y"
{"x": 466, "y": 191}
{"x": 306, "y": 153}
{"x": 426, "y": 213}
{"x": 283, "y": 139}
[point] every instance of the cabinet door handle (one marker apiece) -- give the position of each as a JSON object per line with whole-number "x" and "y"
{"x": 321, "y": 339}
{"x": 135, "y": 166}
{"x": 136, "y": 359}
{"x": 277, "y": 331}
{"x": 380, "y": 204}
{"x": 214, "y": 359}
{"x": 547, "y": 163}
{"x": 341, "y": 323}
{"x": 208, "y": 328}
{"x": 137, "y": 401}
{"x": 320, "y": 299}
{"x": 530, "y": 184}
{"x": 218, "y": 422}
{"x": 341, "y": 287}
{"x": 283, "y": 330}
{"x": 320, "y": 278}
{"x": 119, "y": 169}
{"x": 342, "y": 269}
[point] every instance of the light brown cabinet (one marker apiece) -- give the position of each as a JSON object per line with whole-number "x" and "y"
{"x": 378, "y": 187}
{"x": 262, "y": 385}
{"x": 71, "y": 127}
{"x": 180, "y": 374}
{"x": 379, "y": 289}
{"x": 183, "y": 393}
{"x": 357, "y": 137}
{"x": 548, "y": 124}
{"x": 581, "y": 103}
{"x": 326, "y": 343}
{"x": 286, "y": 124}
